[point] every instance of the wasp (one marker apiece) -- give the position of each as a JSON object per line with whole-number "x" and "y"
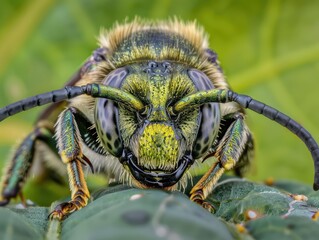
{"x": 147, "y": 107}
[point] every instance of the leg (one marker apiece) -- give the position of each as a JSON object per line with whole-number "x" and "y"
{"x": 21, "y": 162}
{"x": 230, "y": 149}
{"x": 68, "y": 138}
{"x": 247, "y": 156}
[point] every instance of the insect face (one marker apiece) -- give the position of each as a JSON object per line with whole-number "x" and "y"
{"x": 155, "y": 140}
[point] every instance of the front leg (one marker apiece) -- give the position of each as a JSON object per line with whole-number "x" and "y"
{"x": 231, "y": 149}
{"x": 68, "y": 138}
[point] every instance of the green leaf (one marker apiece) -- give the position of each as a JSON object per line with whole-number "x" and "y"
{"x": 236, "y": 199}
{"x": 291, "y": 228}
{"x": 22, "y": 224}
{"x": 154, "y": 215}
{"x": 121, "y": 212}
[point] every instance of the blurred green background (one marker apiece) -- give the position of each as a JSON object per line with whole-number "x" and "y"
{"x": 268, "y": 49}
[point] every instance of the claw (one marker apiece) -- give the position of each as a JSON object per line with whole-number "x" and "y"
{"x": 87, "y": 161}
{"x": 197, "y": 197}
{"x": 208, "y": 206}
{"x": 62, "y": 210}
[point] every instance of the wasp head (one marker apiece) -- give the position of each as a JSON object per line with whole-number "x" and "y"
{"x": 155, "y": 145}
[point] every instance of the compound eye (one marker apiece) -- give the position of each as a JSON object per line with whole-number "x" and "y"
{"x": 209, "y": 115}
{"x": 107, "y": 115}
